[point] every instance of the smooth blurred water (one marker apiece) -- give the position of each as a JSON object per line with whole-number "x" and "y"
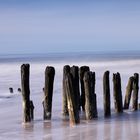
{"x": 116, "y": 127}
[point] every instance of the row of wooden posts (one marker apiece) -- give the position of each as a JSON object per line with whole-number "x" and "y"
{"x": 77, "y": 96}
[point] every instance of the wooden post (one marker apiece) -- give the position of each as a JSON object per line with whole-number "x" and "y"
{"x": 83, "y": 69}
{"x": 129, "y": 89}
{"x": 135, "y": 91}
{"x": 43, "y": 89}
{"x": 73, "y": 110}
{"x": 75, "y": 74}
{"x": 139, "y": 106}
{"x": 106, "y": 91}
{"x": 11, "y": 90}
{"x": 66, "y": 70}
{"x": 25, "y": 72}
{"x": 32, "y": 110}
{"x": 117, "y": 93}
{"x": 93, "y": 81}
{"x": 88, "y": 96}
{"x": 19, "y": 89}
{"x": 48, "y": 92}
{"x": 95, "y": 112}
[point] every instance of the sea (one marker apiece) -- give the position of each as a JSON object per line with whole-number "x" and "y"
{"x": 117, "y": 127}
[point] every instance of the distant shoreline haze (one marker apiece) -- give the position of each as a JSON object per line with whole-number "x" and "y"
{"x": 66, "y": 56}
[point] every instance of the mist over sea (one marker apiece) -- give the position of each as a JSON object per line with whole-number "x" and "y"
{"x": 127, "y": 63}
{"x": 98, "y": 62}
{"x": 71, "y": 56}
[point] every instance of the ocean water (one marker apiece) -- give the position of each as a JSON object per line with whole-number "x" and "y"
{"x": 117, "y": 127}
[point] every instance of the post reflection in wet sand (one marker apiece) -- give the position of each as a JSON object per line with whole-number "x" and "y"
{"x": 117, "y": 127}
{"x": 86, "y": 130}
{"x": 47, "y": 130}
{"x": 92, "y": 133}
{"x": 132, "y": 128}
{"x": 28, "y": 130}
{"x": 107, "y": 129}
{"x": 29, "y": 127}
{"x": 121, "y": 126}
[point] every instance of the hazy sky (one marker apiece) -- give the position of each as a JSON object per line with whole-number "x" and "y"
{"x": 41, "y": 26}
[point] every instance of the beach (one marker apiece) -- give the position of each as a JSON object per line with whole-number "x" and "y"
{"x": 117, "y": 127}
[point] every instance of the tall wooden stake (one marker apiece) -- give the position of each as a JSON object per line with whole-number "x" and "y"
{"x": 75, "y": 74}
{"x": 73, "y": 110}
{"x": 117, "y": 93}
{"x": 88, "y": 96}
{"x": 25, "y": 72}
{"x": 32, "y": 110}
{"x": 106, "y": 91}
{"x": 48, "y": 92}
{"x": 129, "y": 89}
{"x": 93, "y": 81}
{"x": 135, "y": 91}
{"x": 95, "y": 112}
{"x": 83, "y": 69}
{"x": 66, "y": 70}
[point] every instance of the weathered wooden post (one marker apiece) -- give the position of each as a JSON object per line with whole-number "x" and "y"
{"x": 95, "y": 112}
{"x": 88, "y": 96}
{"x": 135, "y": 91}
{"x": 25, "y": 72}
{"x": 32, "y": 110}
{"x": 106, "y": 91}
{"x": 11, "y": 90}
{"x": 73, "y": 110}
{"x": 43, "y": 89}
{"x": 19, "y": 89}
{"x": 93, "y": 81}
{"x": 82, "y": 71}
{"x": 66, "y": 70}
{"x": 75, "y": 74}
{"x": 48, "y": 92}
{"x": 129, "y": 89}
{"x": 139, "y": 106}
{"x": 117, "y": 93}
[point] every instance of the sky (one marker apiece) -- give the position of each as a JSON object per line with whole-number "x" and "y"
{"x": 42, "y": 26}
